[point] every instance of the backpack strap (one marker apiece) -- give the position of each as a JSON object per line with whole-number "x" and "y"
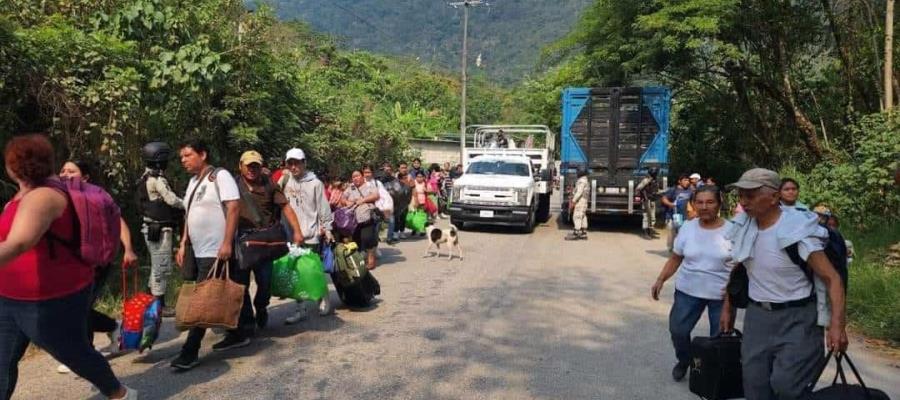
{"x": 793, "y": 252}
{"x": 73, "y": 243}
{"x": 248, "y": 202}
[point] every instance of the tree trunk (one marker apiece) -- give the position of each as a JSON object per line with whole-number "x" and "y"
{"x": 789, "y": 101}
{"x": 889, "y": 55}
{"x": 855, "y": 86}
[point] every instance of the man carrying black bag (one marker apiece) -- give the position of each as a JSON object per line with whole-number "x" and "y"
{"x": 782, "y": 345}
{"x": 262, "y": 204}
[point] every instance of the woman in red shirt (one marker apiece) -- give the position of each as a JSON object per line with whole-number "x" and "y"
{"x": 44, "y": 287}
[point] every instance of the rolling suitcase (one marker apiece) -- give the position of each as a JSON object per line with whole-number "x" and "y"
{"x": 716, "y": 371}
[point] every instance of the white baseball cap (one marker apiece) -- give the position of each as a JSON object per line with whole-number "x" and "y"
{"x": 295, "y": 154}
{"x": 696, "y": 176}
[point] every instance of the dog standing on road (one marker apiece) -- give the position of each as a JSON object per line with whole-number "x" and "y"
{"x": 437, "y": 236}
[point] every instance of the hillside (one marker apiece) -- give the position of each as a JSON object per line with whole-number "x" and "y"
{"x": 508, "y": 34}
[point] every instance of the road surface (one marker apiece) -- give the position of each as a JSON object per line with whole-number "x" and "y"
{"x": 521, "y": 317}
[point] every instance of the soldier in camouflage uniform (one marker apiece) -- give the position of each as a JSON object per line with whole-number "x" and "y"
{"x": 578, "y": 207}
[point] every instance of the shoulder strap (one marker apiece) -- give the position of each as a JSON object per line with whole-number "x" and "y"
{"x": 248, "y": 202}
{"x": 203, "y": 176}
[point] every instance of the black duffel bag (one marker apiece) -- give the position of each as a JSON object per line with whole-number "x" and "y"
{"x": 842, "y": 390}
{"x": 260, "y": 246}
{"x": 716, "y": 371}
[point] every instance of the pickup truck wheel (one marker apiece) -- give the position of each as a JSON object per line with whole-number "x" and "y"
{"x": 543, "y": 209}
{"x": 461, "y": 225}
{"x": 529, "y": 225}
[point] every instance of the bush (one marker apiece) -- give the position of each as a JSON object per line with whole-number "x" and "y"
{"x": 859, "y": 186}
{"x": 873, "y": 301}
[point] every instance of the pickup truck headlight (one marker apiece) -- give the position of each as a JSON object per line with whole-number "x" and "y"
{"x": 455, "y": 193}
{"x": 522, "y": 197}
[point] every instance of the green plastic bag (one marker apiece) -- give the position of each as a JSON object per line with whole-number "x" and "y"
{"x": 299, "y": 278}
{"x": 416, "y": 221}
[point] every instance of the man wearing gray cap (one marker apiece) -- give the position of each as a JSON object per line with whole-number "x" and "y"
{"x": 782, "y": 343}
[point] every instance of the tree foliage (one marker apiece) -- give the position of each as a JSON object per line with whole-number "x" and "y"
{"x": 104, "y": 77}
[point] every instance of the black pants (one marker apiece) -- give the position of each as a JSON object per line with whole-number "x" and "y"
{"x": 400, "y": 219}
{"x": 97, "y": 321}
{"x": 245, "y": 321}
{"x": 58, "y": 326}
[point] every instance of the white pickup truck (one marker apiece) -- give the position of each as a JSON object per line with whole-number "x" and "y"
{"x": 509, "y": 185}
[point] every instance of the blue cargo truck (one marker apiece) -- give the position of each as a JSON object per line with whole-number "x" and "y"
{"x": 616, "y": 133}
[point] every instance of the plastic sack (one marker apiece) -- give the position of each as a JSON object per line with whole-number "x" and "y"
{"x": 299, "y": 278}
{"x": 431, "y": 204}
{"x": 416, "y": 220}
{"x": 327, "y": 259}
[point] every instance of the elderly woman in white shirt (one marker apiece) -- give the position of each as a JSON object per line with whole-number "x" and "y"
{"x": 699, "y": 257}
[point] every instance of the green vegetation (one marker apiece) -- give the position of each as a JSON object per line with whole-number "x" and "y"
{"x": 104, "y": 77}
{"x": 508, "y": 34}
{"x": 793, "y": 86}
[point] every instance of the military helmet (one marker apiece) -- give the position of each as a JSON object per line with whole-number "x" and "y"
{"x": 156, "y": 152}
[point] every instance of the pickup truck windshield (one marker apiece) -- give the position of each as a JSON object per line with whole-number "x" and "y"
{"x": 498, "y": 168}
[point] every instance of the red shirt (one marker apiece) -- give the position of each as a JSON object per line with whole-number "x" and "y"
{"x": 37, "y": 274}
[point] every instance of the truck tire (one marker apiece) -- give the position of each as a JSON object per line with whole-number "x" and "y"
{"x": 458, "y": 223}
{"x": 543, "y": 208}
{"x": 529, "y": 225}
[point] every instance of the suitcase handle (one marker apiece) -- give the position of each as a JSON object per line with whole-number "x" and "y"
{"x": 734, "y": 332}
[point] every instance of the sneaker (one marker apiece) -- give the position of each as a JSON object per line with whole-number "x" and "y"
{"x": 325, "y": 307}
{"x": 62, "y": 369}
{"x": 679, "y": 371}
{"x": 262, "y": 318}
{"x": 130, "y": 394}
{"x": 113, "y": 347}
{"x": 185, "y": 362}
{"x": 298, "y": 316}
{"x": 573, "y": 236}
{"x": 231, "y": 341}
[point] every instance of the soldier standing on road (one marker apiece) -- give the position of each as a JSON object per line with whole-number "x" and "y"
{"x": 578, "y": 207}
{"x": 648, "y": 189}
{"x": 161, "y": 209}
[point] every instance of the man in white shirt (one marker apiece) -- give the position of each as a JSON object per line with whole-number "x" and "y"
{"x": 782, "y": 344}
{"x": 212, "y": 206}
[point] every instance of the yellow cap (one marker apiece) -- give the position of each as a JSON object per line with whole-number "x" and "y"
{"x": 250, "y": 157}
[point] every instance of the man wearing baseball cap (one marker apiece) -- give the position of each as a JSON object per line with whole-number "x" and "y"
{"x": 262, "y": 206}
{"x": 306, "y": 195}
{"x": 782, "y": 344}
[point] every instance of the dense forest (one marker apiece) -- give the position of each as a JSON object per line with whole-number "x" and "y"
{"x": 508, "y": 34}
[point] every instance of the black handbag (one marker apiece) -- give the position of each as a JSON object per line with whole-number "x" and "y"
{"x": 261, "y": 246}
{"x": 716, "y": 371}
{"x": 842, "y": 390}
{"x": 258, "y": 246}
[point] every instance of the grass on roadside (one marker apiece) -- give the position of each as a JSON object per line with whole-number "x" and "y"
{"x": 873, "y": 301}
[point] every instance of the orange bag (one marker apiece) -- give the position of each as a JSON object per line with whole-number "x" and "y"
{"x": 213, "y": 303}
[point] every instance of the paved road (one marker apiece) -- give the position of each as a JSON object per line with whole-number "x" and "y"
{"x": 522, "y": 317}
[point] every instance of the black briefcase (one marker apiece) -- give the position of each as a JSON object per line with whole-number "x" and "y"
{"x": 842, "y": 390}
{"x": 716, "y": 371}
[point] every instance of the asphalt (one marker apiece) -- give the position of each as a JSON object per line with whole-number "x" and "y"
{"x": 521, "y": 317}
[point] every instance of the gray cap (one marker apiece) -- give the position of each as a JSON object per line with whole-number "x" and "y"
{"x": 757, "y": 178}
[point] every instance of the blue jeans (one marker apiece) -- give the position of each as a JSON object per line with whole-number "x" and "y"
{"x": 59, "y": 326}
{"x": 686, "y": 311}
{"x": 391, "y": 225}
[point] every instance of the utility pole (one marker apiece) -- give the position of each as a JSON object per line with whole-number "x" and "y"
{"x": 465, "y": 50}
{"x": 888, "y": 56}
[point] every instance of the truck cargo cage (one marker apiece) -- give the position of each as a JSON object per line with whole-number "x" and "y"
{"x": 616, "y": 134}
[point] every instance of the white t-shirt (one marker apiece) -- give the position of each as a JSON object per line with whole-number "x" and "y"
{"x": 206, "y": 217}
{"x": 703, "y": 272}
{"x": 773, "y": 276}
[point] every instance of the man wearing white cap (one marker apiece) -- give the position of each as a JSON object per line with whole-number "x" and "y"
{"x": 782, "y": 345}
{"x": 306, "y": 195}
{"x": 696, "y": 181}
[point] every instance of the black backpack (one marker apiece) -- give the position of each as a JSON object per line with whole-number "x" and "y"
{"x": 835, "y": 250}
{"x": 156, "y": 210}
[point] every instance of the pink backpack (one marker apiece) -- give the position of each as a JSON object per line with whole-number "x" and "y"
{"x": 97, "y": 217}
